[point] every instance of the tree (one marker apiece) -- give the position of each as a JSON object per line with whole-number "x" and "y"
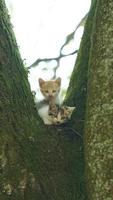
{"x": 48, "y": 162}
{"x": 99, "y": 115}
{"x": 36, "y": 161}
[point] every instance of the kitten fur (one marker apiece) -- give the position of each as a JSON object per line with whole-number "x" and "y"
{"x": 63, "y": 115}
{"x": 43, "y": 109}
{"x": 48, "y": 108}
{"x": 53, "y": 108}
{"x": 50, "y": 89}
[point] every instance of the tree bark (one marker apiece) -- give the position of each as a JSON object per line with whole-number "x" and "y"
{"x": 76, "y": 96}
{"x": 99, "y": 116}
{"x": 18, "y": 119}
{"x": 47, "y": 162}
{"x": 36, "y": 161}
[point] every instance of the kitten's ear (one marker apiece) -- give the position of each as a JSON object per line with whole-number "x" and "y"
{"x": 72, "y": 109}
{"x": 58, "y": 81}
{"x": 41, "y": 82}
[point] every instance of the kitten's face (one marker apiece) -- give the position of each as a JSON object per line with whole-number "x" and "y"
{"x": 63, "y": 115}
{"x": 50, "y": 88}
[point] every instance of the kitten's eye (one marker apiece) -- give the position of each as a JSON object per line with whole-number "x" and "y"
{"x": 50, "y": 114}
{"x": 54, "y": 91}
{"x": 46, "y": 91}
{"x": 63, "y": 118}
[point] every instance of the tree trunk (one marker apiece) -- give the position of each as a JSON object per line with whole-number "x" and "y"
{"x": 99, "y": 117}
{"x": 18, "y": 119}
{"x": 76, "y": 96}
{"x": 47, "y": 162}
{"x": 36, "y": 161}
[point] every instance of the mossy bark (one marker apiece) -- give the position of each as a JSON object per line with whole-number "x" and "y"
{"x": 76, "y": 96}
{"x": 99, "y": 117}
{"x": 36, "y": 161}
{"x": 77, "y": 90}
{"x": 18, "y": 119}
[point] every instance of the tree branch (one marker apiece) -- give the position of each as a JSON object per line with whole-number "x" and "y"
{"x": 50, "y": 59}
{"x": 68, "y": 39}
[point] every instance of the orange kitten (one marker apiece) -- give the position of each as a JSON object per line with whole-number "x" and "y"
{"x": 50, "y": 89}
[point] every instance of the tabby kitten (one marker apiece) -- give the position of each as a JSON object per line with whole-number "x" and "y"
{"x": 63, "y": 115}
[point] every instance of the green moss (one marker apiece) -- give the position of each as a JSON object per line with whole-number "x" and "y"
{"x": 38, "y": 161}
{"x": 76, "y": 96}
{"x": 99, "y": 125}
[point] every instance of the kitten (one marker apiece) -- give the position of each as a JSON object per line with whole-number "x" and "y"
{"x": 53, "y": 107}
{"x": 63, "y": 114}
{"x": 49, "y": 109}
{"x": 50, "y": 89}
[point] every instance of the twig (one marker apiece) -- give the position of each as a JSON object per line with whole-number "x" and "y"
{"x": 50, "y": 59}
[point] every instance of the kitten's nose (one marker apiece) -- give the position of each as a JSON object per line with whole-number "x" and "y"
{"x": 50, "y": 95}
{"x": 58, "y": 122}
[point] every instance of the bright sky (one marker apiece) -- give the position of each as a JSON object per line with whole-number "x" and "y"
{"x": 41, "y": 27}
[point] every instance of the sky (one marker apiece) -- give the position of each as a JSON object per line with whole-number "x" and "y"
{"x": 41, "y": 27}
